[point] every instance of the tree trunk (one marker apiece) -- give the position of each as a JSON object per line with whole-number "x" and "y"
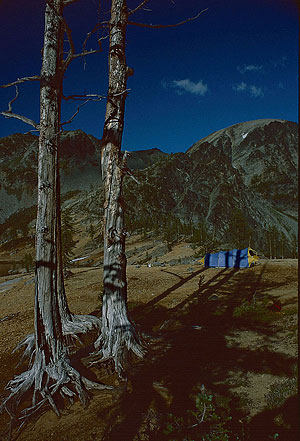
{"x": 72, "y": 324}
{"x": 50, "y": 97}
{"x": 47, "y": 318}
{"x": 50, "y": 372}
{"x": 118, "y": 334}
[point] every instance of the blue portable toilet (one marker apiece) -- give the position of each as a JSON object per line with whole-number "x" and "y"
{"x": 211, "y": 260}
{"x": 230, "y": 259}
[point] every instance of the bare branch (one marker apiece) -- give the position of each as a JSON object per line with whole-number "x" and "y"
{"x": 13, "y": 100}
{"x": 71, "y": 57}
{"x": 90, "y": 96}
{"x": 86, "y": 98}
{"x": 158, "y": 26}
{"x": 23, "y": 118}
{"x": 125, "y": 168}
{"x": 131, "y": 175}
{"x": 75, "y": 114}
{"x": 120, "y": 93}
{"x": 83, "y": 54}
{"x": 71, "y": 54}
{"x": 138, "y": 7}
{"x": 69, "y": 34}
{"x": 21, "y": 80}
{"x": 9, "y": 114}
{"x": 95, "y": 29}
{"x": 31, "y": 131}
{"x": 68, "y": 2}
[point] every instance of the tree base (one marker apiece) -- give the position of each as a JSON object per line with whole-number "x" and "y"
{"x": 80, "y": 324}
{"x": 77, "y": 324}
{"x": 115, "y": 344}
{"x": 48, "y": 381}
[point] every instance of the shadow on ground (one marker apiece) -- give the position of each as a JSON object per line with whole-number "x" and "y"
{"x": 188, "y": 348}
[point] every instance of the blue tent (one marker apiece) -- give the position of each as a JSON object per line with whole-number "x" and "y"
{"x": 228, "y": 259}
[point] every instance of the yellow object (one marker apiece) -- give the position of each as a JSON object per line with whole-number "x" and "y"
{"x": 252, "y": 257}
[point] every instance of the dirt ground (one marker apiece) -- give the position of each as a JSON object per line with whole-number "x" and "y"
{"x": 202, "y": 328}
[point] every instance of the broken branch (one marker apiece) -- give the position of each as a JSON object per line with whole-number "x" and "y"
{"x": 158, "y": 26}
{"x": 131, "y": 176}
{"x": 13, "y": 100}
{"x": 26, "y": 120}
{"x": 68, "y": 2}
{"x": 69, "y": 34}
{"x": 95, "y": 29}
{"x": 75, "y": 114}
{"x": 84, "y": 53}
{"x": 21, "y": 80}
{"x": 89, "y": 96}
{"x": 71, "y": 57}
{"x": 9, "y": 114}
{"x": 138, "y": 7}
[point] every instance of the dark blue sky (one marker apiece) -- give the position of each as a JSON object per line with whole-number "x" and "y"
{"x": 237, "y": 62}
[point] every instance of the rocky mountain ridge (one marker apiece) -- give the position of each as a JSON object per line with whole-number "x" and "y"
{"x": 241, "y": 177}
{"x": 79, "y": 167}
{"x": 239, "y": 181}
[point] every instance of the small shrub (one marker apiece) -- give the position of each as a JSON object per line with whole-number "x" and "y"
{"x": 280, "y": 392}
{"x": 205, "y": 422}
{"x": 254, "y": 312}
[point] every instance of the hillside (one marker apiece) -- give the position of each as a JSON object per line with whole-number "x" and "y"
{"x": 240, "y": 183}
{"x": 234, "y": 187}
{"x": 79, "y": 167}
{"x": 208, "y": 326}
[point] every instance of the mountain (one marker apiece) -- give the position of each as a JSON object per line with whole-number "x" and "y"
{"x": 239, "y": 182}
{"x": 265, "y": 154}
{"x": 259, "y": 164}
{"x": 237, "y": 185}
{"x": 79, "y": 167}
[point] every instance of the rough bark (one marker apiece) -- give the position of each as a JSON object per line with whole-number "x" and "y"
{"x": 118, "y": 335}
{"x": 50, "y": 372}
{"x": 72, "y": 324}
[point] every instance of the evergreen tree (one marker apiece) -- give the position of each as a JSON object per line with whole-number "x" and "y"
{"x": 91, "y": 231}
{"x": 28, "y": 261}
{"x": 239, "y": 232}
{"x": 294, "y": 247}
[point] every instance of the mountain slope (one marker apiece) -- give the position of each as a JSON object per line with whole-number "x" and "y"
{"x": 239, "y": 184}
{"x": 245, "y": 174}
{"x": 264, "y": 152}
{"x": 79, "y": 167}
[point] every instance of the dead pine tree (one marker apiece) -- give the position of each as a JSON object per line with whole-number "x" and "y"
{"x": 50, "y": 373}
{"x": 72, "y": 324}
{"x": 118, "y": 333}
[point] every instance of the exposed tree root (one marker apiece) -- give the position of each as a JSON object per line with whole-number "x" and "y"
{"x": 116, "y": 340}
{"x": 47, "y": 382}
{"x": 80, "y": 324}
{"x": 71, "y": 327}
